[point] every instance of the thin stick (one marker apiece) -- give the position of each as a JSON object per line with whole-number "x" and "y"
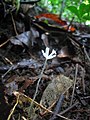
{"x": 83, "y": 81}
{"x": 24, "y": 118}
{"x": 14, "y": 24}
{"x": 74, "y": 84}
{"x": 86, "y": 53}
{"x": 7, "y": 72}
{"x": 69, "y": 108}
{"x": 58, "y": 107}
{"x": 38, "y": 84}
{"x": 4, "y": 43}
{"x": 62, "y": 7}
{"x": 37, "y": 104}
{"x": 12, "y": 111}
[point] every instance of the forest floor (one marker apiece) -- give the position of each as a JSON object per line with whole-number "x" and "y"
{"x": 64, "y": 89}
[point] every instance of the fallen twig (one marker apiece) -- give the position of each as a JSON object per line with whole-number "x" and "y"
{"x": 12, "y": 111}
{"x": 74, "y": 84}
{"x": 37, "y": 104}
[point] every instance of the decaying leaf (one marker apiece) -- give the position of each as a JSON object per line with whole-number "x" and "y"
{"x": 66, "y": 51}
{"x": 10, "y": 87}
{"x": 53, "y": 18}
{"x": 58, "y": 86}
{"x": 26, "y": 38}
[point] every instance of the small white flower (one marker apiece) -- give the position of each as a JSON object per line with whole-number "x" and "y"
{"x": 47, "y": 55}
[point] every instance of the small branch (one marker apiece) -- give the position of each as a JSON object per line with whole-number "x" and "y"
{"x": 69, "y": 108}
{"x": 58, "y": 107}
{"x": 86, "y": 53}
{"x": 62, "y": 7}
{"x": 38, "y": 84}
{"x": 14, "y": 26}
{"x": 1, "y": 45}
{"x": 37, "y": 104}
{"x": 83, "y": 81}
{"x": 12, "y": 111}
{"x": 74, "y": 84}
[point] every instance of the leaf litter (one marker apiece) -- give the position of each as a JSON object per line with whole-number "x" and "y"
{"x": 21, "y": 61}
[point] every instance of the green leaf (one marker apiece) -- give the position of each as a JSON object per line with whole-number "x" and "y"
{"x": 82, "y": 9}
{"x": 88, "y": 8}
{"x": 86, "y": 17}
{"x": 74, "y": 10}
{"x": 89, "y": 1}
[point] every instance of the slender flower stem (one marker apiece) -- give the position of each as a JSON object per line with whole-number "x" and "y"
{"x": 47, "y": 56}
{"x": 39, "y": 79}
{"x": 38, "y": 84}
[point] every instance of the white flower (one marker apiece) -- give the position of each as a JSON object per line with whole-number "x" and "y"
{"x": 47, "y": 55}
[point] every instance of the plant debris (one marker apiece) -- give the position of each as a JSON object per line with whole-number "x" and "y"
{"x": 64, "y": 85}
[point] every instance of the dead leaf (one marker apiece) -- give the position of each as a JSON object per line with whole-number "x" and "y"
{"x": 26, "y": 38}
{"x": 52, "y": 18}
{"x": 66, "y": 52}
{"x": 10, "y": 87}
{"x": 58, "y": 86}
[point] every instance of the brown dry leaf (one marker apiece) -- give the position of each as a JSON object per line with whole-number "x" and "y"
{"x": 14, "y": 80}
{"x": 58, "y": 86}
{"x": 10, "y": 87}
{"x": 25, "y": 38}
{"x": 55, "y": 18}
{"x": 66, "y": 52}
{"x": 27, "y": 83}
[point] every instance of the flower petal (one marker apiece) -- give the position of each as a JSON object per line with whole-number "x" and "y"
{"x": 50, "y": 57}
{"x": 44, "y": 54}
{"x": 53, "y": 52}
{"x": 47, "y": 51}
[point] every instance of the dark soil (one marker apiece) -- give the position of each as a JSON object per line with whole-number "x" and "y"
{"x": 21, "y": 62}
